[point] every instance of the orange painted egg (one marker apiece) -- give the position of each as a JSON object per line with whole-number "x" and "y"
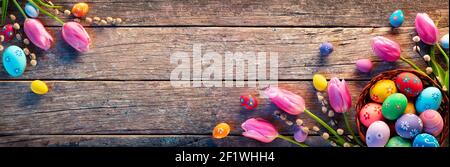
{"x": 80, "y": 9}
{"x": 410, "y": 109}
{"x": 221, "y": 130}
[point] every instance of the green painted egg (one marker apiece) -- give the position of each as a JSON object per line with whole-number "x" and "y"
{"x": 397, "y": 141}
{"x": 394, "y": 106}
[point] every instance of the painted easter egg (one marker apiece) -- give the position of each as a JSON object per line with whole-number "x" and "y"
{"x": 432, "y": 122}
{"x": 80, "y": 9}
{"x": 248, "y": 101}
{"x": 381, "y": 90}
{"x": 397, "y": 141}
{"x": 325, "y": 48}
{"x": 319, "y": 82}
{"x": 300, "y": 135}
{"x": 397, "y": 18}
{"x": 39, "y": 87}
{"x": 31, "y": 10}
{"x": 444, "y": 41}
{"x": 14, "y": 61}
{"x": 221, "y": 130}
{"x": 410, "y": 108}
{"x": 370, "y": 113}
{"x": 7, "y": 32}
{"x": 425, "y": 140}
{"x": 429, "y": 98}
{"x": 408, "y": 126}
{"x": 377, "y": 134}
{"x": 408, "y": 84}
{"x": 394, "y": 106}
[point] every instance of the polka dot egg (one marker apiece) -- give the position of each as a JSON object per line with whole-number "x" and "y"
{"x": 432, "y": 122}
{"x": 14, "y": 61}
{"x": 408, "y": 84}
{"x": 377, "y": 134}
{"x": 381, "y": 90}
{"x": 408, "y": 126}
{"x": 370, "y": 113}
{"x": 425, "y": 140}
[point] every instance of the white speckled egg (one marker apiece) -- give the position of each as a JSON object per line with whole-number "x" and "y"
{"x": 377, "y": 134}
{"x": 14, "y": 61}
{"x": 429, "y": 98}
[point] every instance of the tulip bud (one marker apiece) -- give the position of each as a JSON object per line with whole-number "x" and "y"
{"x": 76, "y": 36}
{"x": 386, "y": 49}
{"x": 259, "y": 129}
{"x": 339, "y": 95}
{"x": 37, "y": 34}
{"x": 426, "y": 29}
{"x": 285, "y": 100}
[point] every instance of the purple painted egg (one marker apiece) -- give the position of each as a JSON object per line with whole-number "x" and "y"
{"x": 377, "y": 134}
{"x": 408, "y": 126}
{"x": 432, "y": 122}
{"x": 7, "y": 32}
{"x": 300, "y": 135}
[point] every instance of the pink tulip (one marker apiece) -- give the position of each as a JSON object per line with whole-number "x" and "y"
{"x": 386, "y": 49}
{"x": 285, "y": 100}
{"x": 76, "y": 36}
{"x": 364, "y": 65}
{"x": 259, "y": 129}
{"x": 37, "y": 34}
{"x": 339, "y": 95}
{"x": 426, "y": 29}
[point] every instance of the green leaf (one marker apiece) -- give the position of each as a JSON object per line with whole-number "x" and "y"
{"x": 4, "y": 10}
{"x": 446, "y": 82}
{"x": 438, "y": 71}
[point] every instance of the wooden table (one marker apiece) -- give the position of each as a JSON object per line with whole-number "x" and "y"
{"x": 119, "y": 93}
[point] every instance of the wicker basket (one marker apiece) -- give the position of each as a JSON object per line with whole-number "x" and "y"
{"x": 364, "y": 98}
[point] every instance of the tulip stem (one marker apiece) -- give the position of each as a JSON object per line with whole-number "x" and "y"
{"x": 292, "y": 141}
{"x": 47, "y": 5}
{"x": 443, "y": 53}
{"x": 46, "y": 12}
{"x": 350, "y": 129}
{"x": 412, "y": 64}
{"x": 20, "y": 9}
{"x": 340, "y": 140}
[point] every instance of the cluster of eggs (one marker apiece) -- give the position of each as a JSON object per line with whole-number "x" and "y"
{"x": 402, "y": 106}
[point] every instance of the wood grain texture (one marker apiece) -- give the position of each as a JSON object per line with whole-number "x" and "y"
{"x": 144, "y": 53}
{"x": 324, "y": 13}
{"x": 144, "y": 141}
{"x": 136, "y": 107}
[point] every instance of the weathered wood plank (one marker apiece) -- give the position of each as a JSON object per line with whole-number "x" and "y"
{"x": 144, "y": 141}
{"x": 323, "y": 13}
{"x": 137, "y": 107}
{"x": 144, "y": 53}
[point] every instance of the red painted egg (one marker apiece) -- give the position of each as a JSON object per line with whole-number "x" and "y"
{"x": 370, "y": 113}
{"x": 408, "y": 84}
{"x": 248, "y": 101}
{"x": 7, "y": 32}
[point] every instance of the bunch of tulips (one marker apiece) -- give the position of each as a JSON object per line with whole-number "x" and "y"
{"x": 72, "y": 32}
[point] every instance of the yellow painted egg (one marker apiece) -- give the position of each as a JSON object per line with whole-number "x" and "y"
{"x": 410, "y": 109}
{"x": 221, "y": 130}
{"x": 381, "y": 90}
{"x": 39, "y": 87}
{"x": 320, "y": 82}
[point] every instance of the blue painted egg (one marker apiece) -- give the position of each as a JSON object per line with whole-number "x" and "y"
{"x": 396, "y": 19}
{"x": 325, "y": 48}
{"x": 377, "y": 134}
{"x": 408, "y": 126}
{"x": 444, "y": 41}
{"x": 14, "y": 61}
{"x": 31, "y": 11}
{"x": 425, "y": 140}
{"x": 429, "y": 98}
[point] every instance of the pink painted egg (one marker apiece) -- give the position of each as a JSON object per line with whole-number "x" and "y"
{"x": 408, "y": 84}
{"x": 370, "y": 113}
{"x": 432, "y": 122}
{"x": 7, "y": 32}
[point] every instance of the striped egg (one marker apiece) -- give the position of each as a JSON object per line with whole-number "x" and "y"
{"x": 432, "y": 122}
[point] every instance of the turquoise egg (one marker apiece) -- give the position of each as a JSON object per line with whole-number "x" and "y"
{"x": 425, "y": 140}
{"x": 14, "y": 61}
{"x": 396, "y": 19}
{"x": 429, "y": 98}
{"x": 31, "y": 11}
{"x": 444, "y": 41}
